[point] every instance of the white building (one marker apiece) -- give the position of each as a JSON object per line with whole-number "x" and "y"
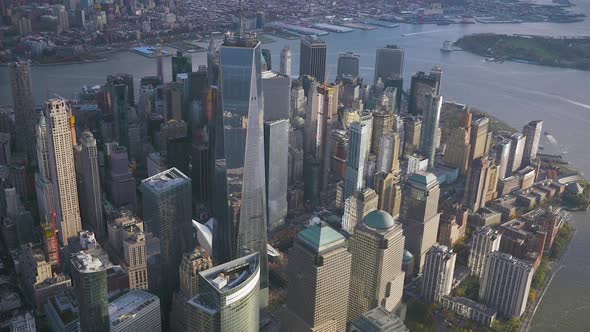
{"x": 505, "y": 284}
{"x": 439, "y": 267}
{"x": 484, "y": 241}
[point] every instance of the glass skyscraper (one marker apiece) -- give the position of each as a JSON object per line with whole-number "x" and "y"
{"x": 240, "y": 61}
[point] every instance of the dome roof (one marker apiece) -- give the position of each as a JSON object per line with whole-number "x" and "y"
{"x": 379, "y": 219}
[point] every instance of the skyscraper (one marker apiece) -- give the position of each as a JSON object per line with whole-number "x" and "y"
{"x": 24, "y": 107}
{"x": 412, "y": 134}
{"x": 517, "y": 144}
{"x": 243, "y": 116}
{"x": 88, "y": 176}
{"x": 181, "y": 64}
{"x": 357, "y": 206}
{"x": 430, "y": 127}
{"x": 286, "y": 61}
{"x": 476, "y": 184}
{"x": 532, "y": 132}
{"x": 437, "y": 280}
{"x": 483, "y": 241}
{"x": 502, "y": 157}
{"x": 423, "y": 84}
{"x": 389, "y": 63}
{"x": 319, "y": 280}
{"x": 357, "y": 155}
{"x": 228, "y": 297}
{"x": 167, "y": 214}
{"x": 376, "y": 277}
{"x": 348, "y": 65}
{"x": 120, "y": 183}
{"x": 276, "y": 153}
{"x": 479, "y": 138}
{"x": 60, "y": 159}
{"x": 382, "y": 125}
{"x": 389, "y": 191}
{"x": 419, "y": 215}
{"x": 312, "y": 59}
{"x": 388, "y": 154}
{"x": 458, "y": 143}
{"x": 160, "y": 63}
{"x": 505, "y": 284}
{"x": 90, "y": 280}
{"x": 277, "y": 95}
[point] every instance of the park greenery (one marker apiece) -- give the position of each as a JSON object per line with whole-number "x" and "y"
{"x": 469, "y": 288}
{"x": 577, "y": 201}
{"x": 547, "y": 51}
{"x": 420, "y": 316}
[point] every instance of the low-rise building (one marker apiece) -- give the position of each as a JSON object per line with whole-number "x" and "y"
{"x": 469, "y": 309}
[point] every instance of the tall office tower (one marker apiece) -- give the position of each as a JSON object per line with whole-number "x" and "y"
{"x": 422, "y": 85}
{"x": 213, "y": 63}
{"x": 228, "y": 297}
{"x": 483, "y": 241}
{"x": 376, "y": 277}
{"x": 167, "y": 214}
{"x": 60, "y": 153}
{"x": 127, "y": 240}
{"x": 276, "y": 153}
{"x": 124, "y": 79}
{"x": 479, "y": 138}
{"x": 119, "y": 95}
{"x": 532, "y": 132}
{"x": 277, "y": 95}
{"x": 419, "y": 215}
{"x": 160, "y": 63}
{"x": 389, "y": 191}
{"x": 492, "y": 179}
{"x": 476, "y": 184}
{"x": 357, "y": 206}
{"x": 437, "y": 280}
{"x": 286, "y": 61}
{"x": 366, "y": 118}
{"x": 173, "y": 101}
{"x": 241, "y": 93}
{"x": 357, "y": 156}
{"x": 430, "y": 127}
{"x": 120, "y": 183}
{"x": 382, "y": 125}
{"x": 502, "y": 156}
{"x": 297, "y": 99}
{"x": 348, "y": 65}
{"x": 458, "y": 149}
{"x": 505, "y": 284}
{"x": 24, "y": 107}
{"x": 192, "y": 263}
{"x": 327, "y": 115}
{"x": 517, "y": 144}
{"x": 312, "y": 59}
{"x": 181, "y": 64}
{"x": 388, "y": 154}
{"x": 90, "y": 280}
{"x": 319, "y": 281}
{"x": 266, "y": 60}
{"x": 88, "y": 178}
{"x": 135, "y": 311}
{"x": 412, "y": 134}
{"x": 389, "y": 63}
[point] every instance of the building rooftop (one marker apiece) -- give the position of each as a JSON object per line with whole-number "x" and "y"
{"x": 86, "y": 263}
{"x": 511, "y": 259}
{"x": 271, "y": 74}
{"x": 379, "y": 320}
{"x": 423, "y": 178}
{"x": 472, "y": 304}
{"x": 230, "y": 275}
{"x": 129, "y": 305}
{"x": 165, "y": 180}
{"x": 379, "y": 219}
{"x": 320, "y": 236}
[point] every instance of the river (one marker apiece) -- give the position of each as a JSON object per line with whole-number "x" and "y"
{"x": 513, "y": 92}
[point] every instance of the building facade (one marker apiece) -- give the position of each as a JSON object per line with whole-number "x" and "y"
{"x": 312, "y": 58}
{"x": 484, "y": 241}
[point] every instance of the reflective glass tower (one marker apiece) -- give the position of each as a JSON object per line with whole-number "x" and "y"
{"x": 243, "y": 140}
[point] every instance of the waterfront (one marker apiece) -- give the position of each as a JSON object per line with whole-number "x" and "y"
{"x": 513, "y": 92}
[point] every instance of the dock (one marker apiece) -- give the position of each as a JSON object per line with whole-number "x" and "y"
{"x": 332, "y": 27}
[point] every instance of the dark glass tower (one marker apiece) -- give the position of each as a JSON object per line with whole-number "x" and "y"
{"x": 24, "y": 107}
{"x": 181, "y": 64}
{"x": 312, "y": 61}
{"x": 243, "y": 138}
{"x": 90, "y": 280}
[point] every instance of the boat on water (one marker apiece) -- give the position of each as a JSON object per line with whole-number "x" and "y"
{"x": 447, "y": 47}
